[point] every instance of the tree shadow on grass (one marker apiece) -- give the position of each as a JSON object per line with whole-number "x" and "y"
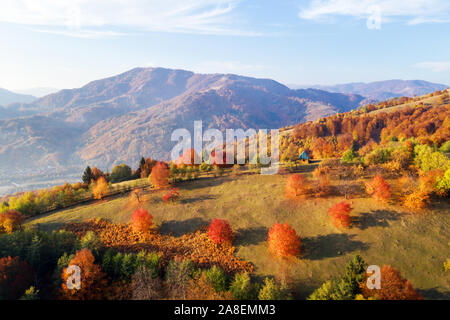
{"x": 198, "y": 198}
{"x": 203, "y": 182}
{"x": 330, "y": 245}
{"x": 178, "y": 228}
{"x": 375, "y": 218}
{"x": 253, "y": 235}
{"x": 46, "y": 226}
{"x": 434, "y": 293}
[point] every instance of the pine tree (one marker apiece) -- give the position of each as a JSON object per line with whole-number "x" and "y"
{"x": 87, "y": 175}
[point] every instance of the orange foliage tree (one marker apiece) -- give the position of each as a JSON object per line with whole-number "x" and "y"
{"x": 15, "y": 277}
{"x": 10, "y": 221}
{"x": 160, "y": 175}
{"x": 92, "y": 280}
{"x": 297, "y": 186}
{"x": 141, "y": 221}
{"x": 220, "y": 231}
{"x": 100, "y": 188}
{"x": 378, "y": 188}
{"x": 393, "y": 287}
{"x": 283, "y": 240}
{"x": 340, "y": 214}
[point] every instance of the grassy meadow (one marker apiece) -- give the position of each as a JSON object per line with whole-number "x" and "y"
{"x": 415, "y": 243}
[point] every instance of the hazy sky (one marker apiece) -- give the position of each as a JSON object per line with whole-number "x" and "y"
{"x": 65, "y": 44}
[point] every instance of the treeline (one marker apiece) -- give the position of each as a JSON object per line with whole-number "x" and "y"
{"x": 332, "y": 136}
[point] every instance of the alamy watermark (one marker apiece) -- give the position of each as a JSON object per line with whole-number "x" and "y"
{"x": 211, "y": 147}
{"x": 374, "y": 280}
{"x": 74, "y": 280}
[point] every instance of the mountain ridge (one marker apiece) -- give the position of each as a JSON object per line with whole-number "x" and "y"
{"x": 382, "y": 90}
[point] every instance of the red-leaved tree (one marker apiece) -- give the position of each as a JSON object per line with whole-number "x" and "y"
{"x": 141, "y": 221}
{"x": 297, "y": 186}
{"x": 378, "y": 188}
{"x": 15, "y": 277}
{"x": 283, "y": 240}
{"x": 92, "y": 280}
{"x": 160, "y": 175}
{"x": 393, "y": 287}
{"x": 340, "y": 214}
{"x": 220, "y": 231}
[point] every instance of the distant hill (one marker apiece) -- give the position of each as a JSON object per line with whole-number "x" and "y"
{"x": 7, "y": 97}
{"x": 38, "y": 91}
{"x": 383, "y": 90}
{"x": 124, "y": 117}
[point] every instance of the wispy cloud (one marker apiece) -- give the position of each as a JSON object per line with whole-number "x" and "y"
{"x": 435, "y": 66}
{"x": 413, "y": 11}
{"x": 96, "y": 18}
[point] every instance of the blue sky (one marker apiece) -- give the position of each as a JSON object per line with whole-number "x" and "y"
{"x": 65, "y": 44}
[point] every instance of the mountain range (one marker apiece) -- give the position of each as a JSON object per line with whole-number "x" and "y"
{"x": 383, "y": 90}
{"x": 121, "y": 118}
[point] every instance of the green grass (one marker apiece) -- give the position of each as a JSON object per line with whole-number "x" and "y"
{"x": 416, "y": 244}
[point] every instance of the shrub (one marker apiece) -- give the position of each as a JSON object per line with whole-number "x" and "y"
{"x": 141, "y": 221}
{"x": 242, "y": 288}
{"x": 443, "y": 183}
{"x": 378, "y": 188}
{"x": 445, "y": 147}
{"x": 15, "y": 277}
{"x": 220, "y": 231}
{"x": 91, "y": 242}
{"x": 297, "y": 186}
{"x": 447, "y": 265}
{"x": 349, "y": 156}
{"x": 416, "y": 200}
{"x": 160, "y": 175}
{"x": 205, "y": 167}
{"x": 340, "y": 214}
{"x": 218, "y": 171}
{"x": 272, "y": 291}
{"x": 283, "y": 240}
{"x": 10, "y": 221}
{"x": 100, "y": 188}
{"x": 30, "y": 294}
{"x": 217, "y": 277}
{"x": 171, "y": 196}
{"x": 236, "y": 169}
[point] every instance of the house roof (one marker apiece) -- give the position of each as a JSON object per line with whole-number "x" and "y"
{"x": 303, "y": 156}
